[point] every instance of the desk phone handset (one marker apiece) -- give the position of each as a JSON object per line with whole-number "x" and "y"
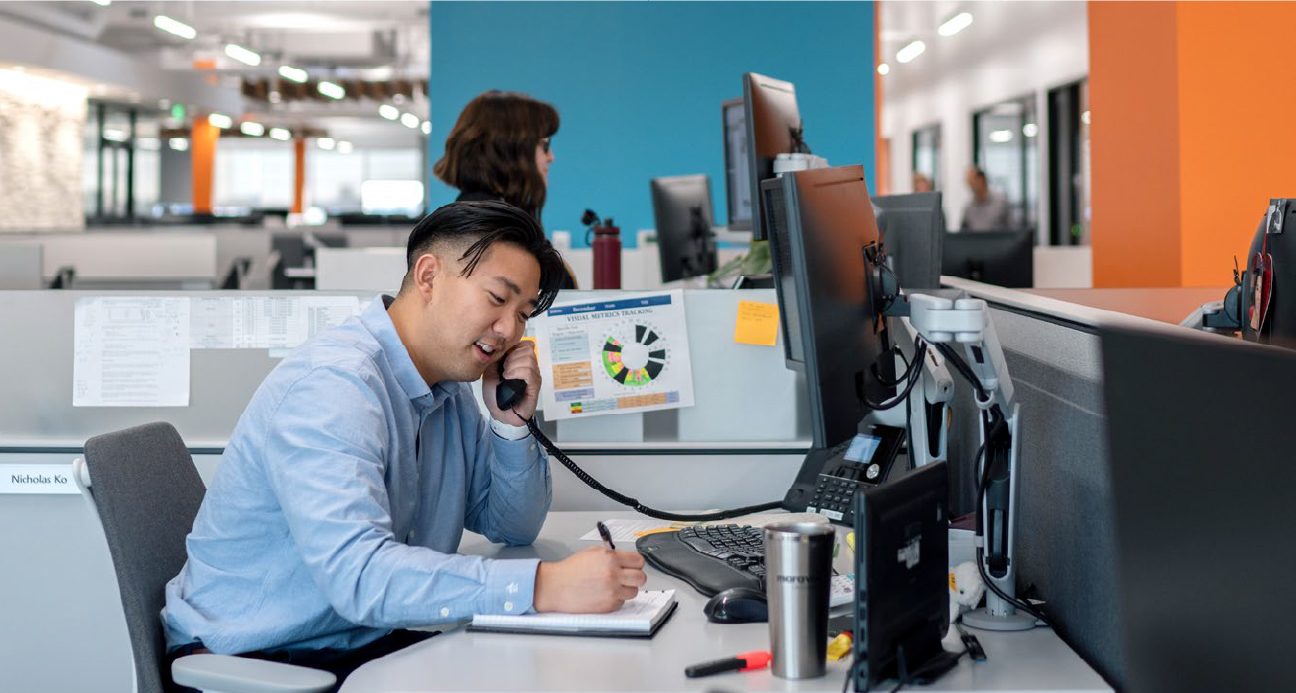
{"x": 507, "y": 394}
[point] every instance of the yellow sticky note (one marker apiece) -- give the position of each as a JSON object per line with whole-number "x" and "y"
{"x": 757, "y": 323}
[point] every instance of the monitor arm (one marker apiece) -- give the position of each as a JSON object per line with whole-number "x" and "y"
{"x": 926, "y": 417}
{"x": 963, "y": 324}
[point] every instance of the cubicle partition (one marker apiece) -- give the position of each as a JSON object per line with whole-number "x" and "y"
{"x": 20, "y": 266}
{"x": 741, "y": 443}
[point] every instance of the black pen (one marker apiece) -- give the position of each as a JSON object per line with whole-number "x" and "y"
{"x": 607, "y": 536}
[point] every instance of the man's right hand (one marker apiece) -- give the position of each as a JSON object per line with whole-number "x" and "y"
{"x": 596, "y": 580}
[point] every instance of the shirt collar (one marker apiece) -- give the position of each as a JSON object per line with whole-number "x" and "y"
{"x": 379, "y": 324}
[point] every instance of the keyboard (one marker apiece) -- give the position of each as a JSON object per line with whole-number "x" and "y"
{"x": 714, "y": 558}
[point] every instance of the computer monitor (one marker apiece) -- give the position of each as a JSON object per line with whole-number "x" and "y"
{"x": 682, "y": 211}
{"x": 1201, "y": 448}
{"x": 913, "y": 231}
{"x": 1004, "y": 257}
{"x": 820, "y": 223}
{"x": 738, "y": 187}
{"x": 902, "y": 578}
{"x": 773, "y": 128}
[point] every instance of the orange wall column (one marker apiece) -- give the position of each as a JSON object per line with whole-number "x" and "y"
{"x": 202, "y": 158}
{"x": 299, "y": 176}
{"x": 1189, "y": 136}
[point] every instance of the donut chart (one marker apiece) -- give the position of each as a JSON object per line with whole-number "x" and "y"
{"x": 635, "y": 355}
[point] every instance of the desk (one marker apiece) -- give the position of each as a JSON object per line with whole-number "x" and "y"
{"x": 461, "y": 661}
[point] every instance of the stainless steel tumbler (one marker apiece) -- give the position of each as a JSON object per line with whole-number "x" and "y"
{"x": 798, "y": 565}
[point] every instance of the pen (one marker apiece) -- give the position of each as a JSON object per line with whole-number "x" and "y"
{"x": 607, "y": 536}
{"x": 747, "y": 661}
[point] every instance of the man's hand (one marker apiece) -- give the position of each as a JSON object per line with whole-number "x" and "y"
{"x": 520, "y": 363}
{"x": 593, "y": 581}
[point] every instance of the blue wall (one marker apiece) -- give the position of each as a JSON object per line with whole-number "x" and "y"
{"x": 639, "y": 85}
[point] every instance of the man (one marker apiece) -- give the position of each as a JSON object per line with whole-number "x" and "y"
{"x": 987, "y": 210}
{"x": 335, "y": 514}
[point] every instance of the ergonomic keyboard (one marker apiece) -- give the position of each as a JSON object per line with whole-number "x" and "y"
{"x": 713, "y": 558}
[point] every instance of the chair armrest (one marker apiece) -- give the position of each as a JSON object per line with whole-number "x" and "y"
{"x": 229, "y": 674}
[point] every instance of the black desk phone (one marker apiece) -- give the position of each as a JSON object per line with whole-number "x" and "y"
{"x": 829, "y": 477}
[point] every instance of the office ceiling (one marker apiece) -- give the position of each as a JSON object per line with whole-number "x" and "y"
{"x": 378, "y": 49}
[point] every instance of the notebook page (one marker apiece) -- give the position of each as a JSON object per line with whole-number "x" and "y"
{"x": 636, "y": 614}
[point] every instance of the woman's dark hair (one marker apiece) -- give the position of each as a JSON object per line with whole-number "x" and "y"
{"x": 479, "y": 225}
{"x": 492, "y": 148}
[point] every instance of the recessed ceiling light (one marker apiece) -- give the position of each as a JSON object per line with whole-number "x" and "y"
{"x": 911, "y": 50}
{"x": 883, "y": 69}
{"x": 220, "y": 120}
{"x": 293, "y": 74}
{"x": 179, "y": 144}
{"x": 1084, "y": 117}
{"x": 426, "y": 127}
{"x": 955, "y": 24}
{"x": 280, "y": 134}
{"x": 409, "y": 120}
{"x": 1001, "y": 136}
{"x": 1030, "y": 129}
{"x": 243, "y": 55}
{"x": 326, "y": 143}
{"x": 174, "y": 27}
{"x": 331, "y": 90}
{"x": 389, "y": 111}
{"x": 252, "y": 129}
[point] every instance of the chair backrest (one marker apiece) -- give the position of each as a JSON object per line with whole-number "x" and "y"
{"x": 147, "y": 492}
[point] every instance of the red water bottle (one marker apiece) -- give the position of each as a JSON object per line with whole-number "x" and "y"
{"x": 607, "y": 250}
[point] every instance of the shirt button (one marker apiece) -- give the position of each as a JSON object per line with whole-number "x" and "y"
{"x": 445, "y": 613}
{"x": 508, "y": 606}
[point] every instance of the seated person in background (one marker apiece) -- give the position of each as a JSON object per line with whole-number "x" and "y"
{"x": 921, "y": 183}
{"x": 501, "y": 149}
{"x": 334, "y": 517}
{"x": 986, "y": 210}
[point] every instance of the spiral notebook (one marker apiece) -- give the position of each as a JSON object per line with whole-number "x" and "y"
{"x": 638, "y": 618}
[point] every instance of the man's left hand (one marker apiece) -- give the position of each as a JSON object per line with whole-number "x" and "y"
{"x": 519, "y": 363}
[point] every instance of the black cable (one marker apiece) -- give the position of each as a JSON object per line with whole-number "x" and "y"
{"x": 634, "y": 502}
{"x": 912, "y": 375}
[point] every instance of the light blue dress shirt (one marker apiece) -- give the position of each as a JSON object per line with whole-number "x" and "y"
{"x": 338, "y": 506}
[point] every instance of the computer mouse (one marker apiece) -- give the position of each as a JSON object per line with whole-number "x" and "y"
{"x": 737, "y": 605}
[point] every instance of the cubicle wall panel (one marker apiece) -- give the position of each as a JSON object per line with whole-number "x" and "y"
{"x": 699, "y": 481}
{"x": 1065, "y": 546}
{"x": 61, "y": 622}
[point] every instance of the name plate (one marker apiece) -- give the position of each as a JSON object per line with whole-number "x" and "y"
{"x": 37, "y": 478}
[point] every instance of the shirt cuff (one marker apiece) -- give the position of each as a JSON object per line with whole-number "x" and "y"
{"x": 509, "y": 431}
{"x": 510, "y": 587}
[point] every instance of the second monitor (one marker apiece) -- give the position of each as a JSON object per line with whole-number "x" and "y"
{"x": 682, "y": 213}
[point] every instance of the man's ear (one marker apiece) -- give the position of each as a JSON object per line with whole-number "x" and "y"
{"x": 427, "y": 269}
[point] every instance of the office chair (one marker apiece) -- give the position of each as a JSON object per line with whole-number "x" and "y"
{"x": 146, "y": 492}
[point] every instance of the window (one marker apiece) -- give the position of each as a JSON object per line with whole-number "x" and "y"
{"x": 1006, "y": 146}
{"x": 926, "y": 156}
{"x": 1069, "y": 211}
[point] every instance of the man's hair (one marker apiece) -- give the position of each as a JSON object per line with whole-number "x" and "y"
{"x": 479, "y": 225}
{"x": 492, "y": 148}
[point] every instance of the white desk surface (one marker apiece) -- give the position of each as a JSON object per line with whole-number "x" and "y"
{"x": 461, "y": 661}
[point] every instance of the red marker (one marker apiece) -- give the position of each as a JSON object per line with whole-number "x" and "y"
{"x": 747, "y": 661}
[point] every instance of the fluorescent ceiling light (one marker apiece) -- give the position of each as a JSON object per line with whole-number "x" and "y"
{"x": 912, "y": 50}
{"x": 252, "y": 129}
{"x": 955, "y": 24}
{"x": 243, "y": 55}
{"x": 325, "y": 143}
{"x": 331, "y": 90}
{"x": 292, "y": 74}
{"x": 102, "y": 3}
{"x": 344, "y": 147}
{"x": 114, "y": 135}
{"x": 389, "y": 111}
{"x": 172, "y": 26}
{"x": 1030, "y": 129}
{"x": 1084, "y": 117}
{"x": 426, "y": 127}
{"x": 280, "y": 134}
{"x": 1001, "y": 136}
{"x": 179, "y": 144}
{"x": 220, "y": 120}
{"x": 883, "y": 69}
{"x": 409, "y": 120}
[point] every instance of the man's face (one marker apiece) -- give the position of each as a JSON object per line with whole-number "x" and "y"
{"x": 474, "y": 320}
